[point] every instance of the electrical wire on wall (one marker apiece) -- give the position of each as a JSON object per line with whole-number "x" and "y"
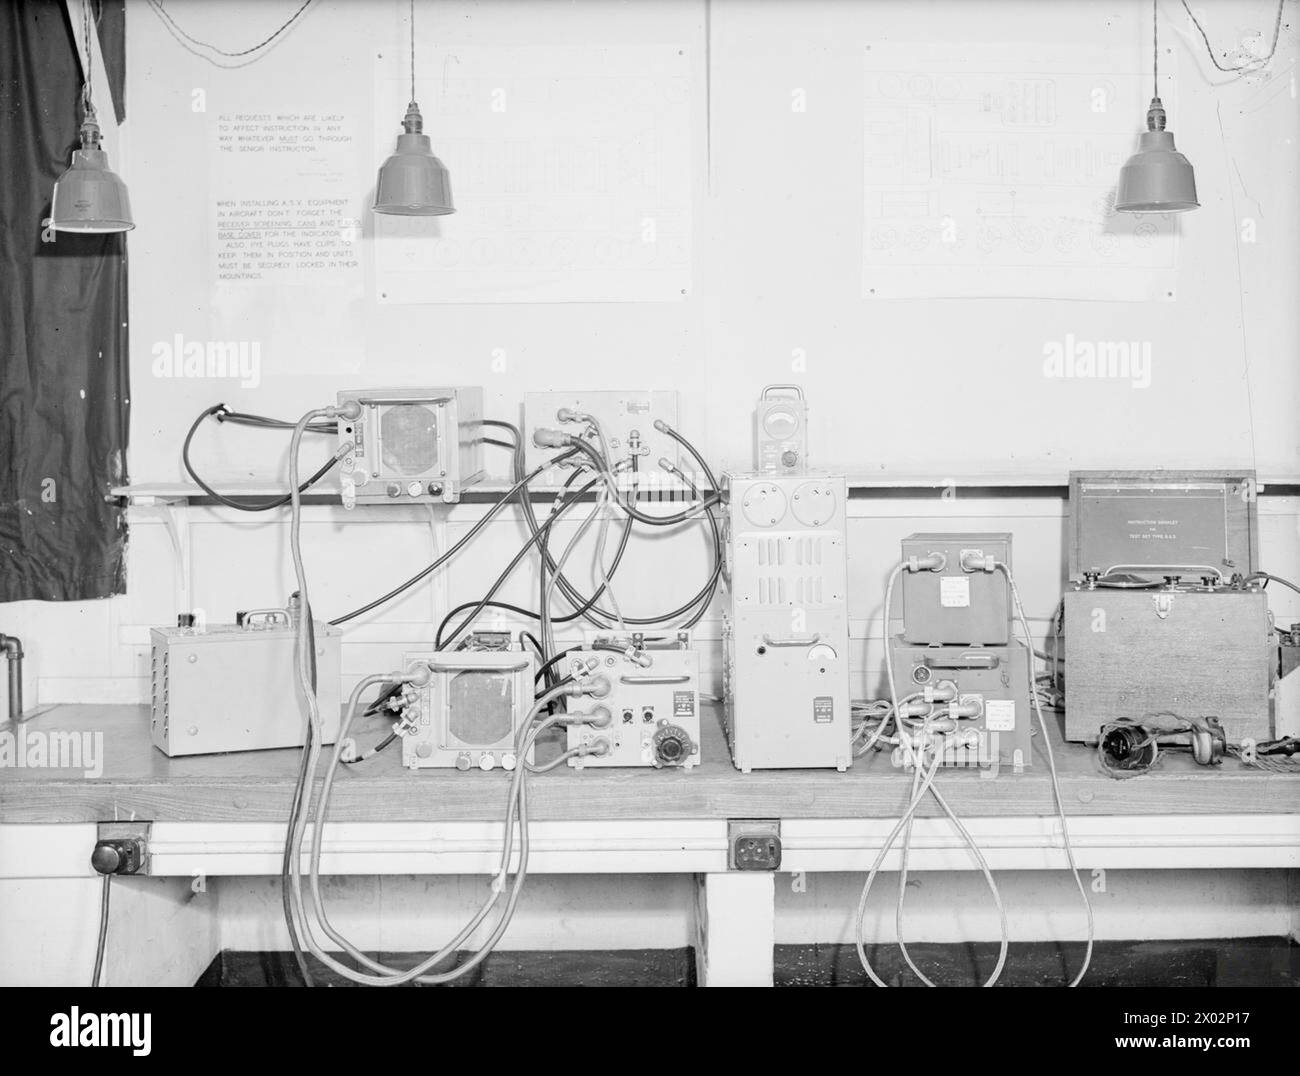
{"x": 1253, "y": 64}
{"x": 216, "y": 55}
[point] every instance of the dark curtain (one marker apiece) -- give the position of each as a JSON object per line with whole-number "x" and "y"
{"x": 64, "y": 388}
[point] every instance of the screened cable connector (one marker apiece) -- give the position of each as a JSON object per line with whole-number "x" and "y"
{"x": 931, "y": 562}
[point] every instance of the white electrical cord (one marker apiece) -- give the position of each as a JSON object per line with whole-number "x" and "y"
{"x": 516, "y": 806}
{"x": 1056, "y": 784}
{"x": 919, "y": 788}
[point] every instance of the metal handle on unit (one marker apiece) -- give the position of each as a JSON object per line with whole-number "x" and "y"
{"x": 376, "y": 401}
{"x": 767, "y": 390}
{"x": 268, "y": 615}
{"x": 460, "y": 666}
{"x": 967, "y": 661}
{"x": 1163, "y": 569}
{"x": 653, "y": 679}
{"x": 809, "y": 641}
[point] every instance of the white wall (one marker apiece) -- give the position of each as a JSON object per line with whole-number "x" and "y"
{"x": 777, "y": 239}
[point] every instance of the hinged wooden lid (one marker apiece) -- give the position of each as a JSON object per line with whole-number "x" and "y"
{"x": 1170, "y": 522}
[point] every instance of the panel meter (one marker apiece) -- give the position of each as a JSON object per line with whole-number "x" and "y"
{"x": 411, "y": 446}
{"x": 781, "y": 431}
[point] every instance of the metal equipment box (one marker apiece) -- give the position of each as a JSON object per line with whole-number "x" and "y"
{"x": 411, "y": 445}
{"x": 993, "y": 678}
{"x": 234, "y": 687}
{"x": 786, "y": 628}
{"x": 1159, "y": 618}
{"x": 626, "y": 417}
{"x": 953, "y": 605}
{"x": 654, "y": 708}
{"x": 469, "y": 714}
{"x": 781, "y": 431}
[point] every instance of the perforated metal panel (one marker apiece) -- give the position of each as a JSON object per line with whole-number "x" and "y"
{"x": 786, "y": 671}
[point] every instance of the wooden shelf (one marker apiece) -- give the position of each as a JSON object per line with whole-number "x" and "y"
{"x": 139, "y": 781}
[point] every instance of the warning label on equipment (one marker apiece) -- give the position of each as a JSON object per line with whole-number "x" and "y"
{"x": 683, "y": 704}
{"x": 823, "y": 709}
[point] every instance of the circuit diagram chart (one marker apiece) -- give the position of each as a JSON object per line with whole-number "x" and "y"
{"x": 985, "y": 178}
{"x": 572, "y": 175}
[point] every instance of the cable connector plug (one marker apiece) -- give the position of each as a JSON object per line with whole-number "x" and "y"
{"x": 544, "y": 437}
{"x": 931, "y": 562}
{"x": 971, "y": 561}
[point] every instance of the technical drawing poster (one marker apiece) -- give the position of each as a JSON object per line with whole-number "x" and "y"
{"x": 570, "y": 170}
{"x": 990, "y": 171}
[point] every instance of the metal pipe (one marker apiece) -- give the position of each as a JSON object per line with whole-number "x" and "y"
{"x": 12, "y": 647}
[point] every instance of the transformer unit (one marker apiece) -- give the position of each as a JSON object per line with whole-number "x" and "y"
{"x": 469, "y": 714}
{"x": 654, "y": 708}
{"x": 411, "y": 445}
{"x": 785, "y": 629}
{"x": 234, "y": 687}
{"x": 781, "y": 431}
{"x": 1160, "y": 617}
{"x": 957, "y": 650}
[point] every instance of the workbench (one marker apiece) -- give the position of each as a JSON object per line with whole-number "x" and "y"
{"x": 224, "y": 815}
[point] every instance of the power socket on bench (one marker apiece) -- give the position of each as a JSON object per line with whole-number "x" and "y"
{"x": 754, "y": 844}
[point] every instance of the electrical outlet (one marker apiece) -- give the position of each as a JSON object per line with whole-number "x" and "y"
{"x": 755, "y": 844}
{"x": 122, "y": 848}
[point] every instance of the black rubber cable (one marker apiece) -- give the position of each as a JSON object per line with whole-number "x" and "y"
{"x": 230, "y": 502}
{"x": 488, "y": 516}
{"x": 102, "y": 944}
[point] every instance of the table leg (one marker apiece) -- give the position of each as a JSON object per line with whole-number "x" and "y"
{"x": 735, "y": 927}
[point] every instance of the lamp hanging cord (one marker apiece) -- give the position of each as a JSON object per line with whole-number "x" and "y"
{"x": 86, "y": 103}
{"x": 162, "y": 13}
{"x": 1251, "y": 65}
{"x": 412, "y": 50}
{"x": 1155, "y": 50}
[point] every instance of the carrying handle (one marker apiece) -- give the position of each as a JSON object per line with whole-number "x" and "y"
{"x": 1163, "y": 569}
{"x": 266, "y": 617}
{"x": 792, "y": 640}
{"x": 461, "y": 666}
{"x": 789, "y": 389}
{"x": 968, "y": 660}
{"x": 378, "y": 401}
{"x": 654, "y": 679}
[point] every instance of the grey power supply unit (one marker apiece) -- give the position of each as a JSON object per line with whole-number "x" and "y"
{"x": 786, "y": 627}
{"x": 469, "y": 714}
{"x": 654, "y": 709}
{"x": 411, "y": 445}
{"x": 233, "y": 687}
{"x": 1160, "y": 618}
{"x": 953, "y": 605}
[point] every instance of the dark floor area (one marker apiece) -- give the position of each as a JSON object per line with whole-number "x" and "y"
{"x": 1223, "y": 962}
